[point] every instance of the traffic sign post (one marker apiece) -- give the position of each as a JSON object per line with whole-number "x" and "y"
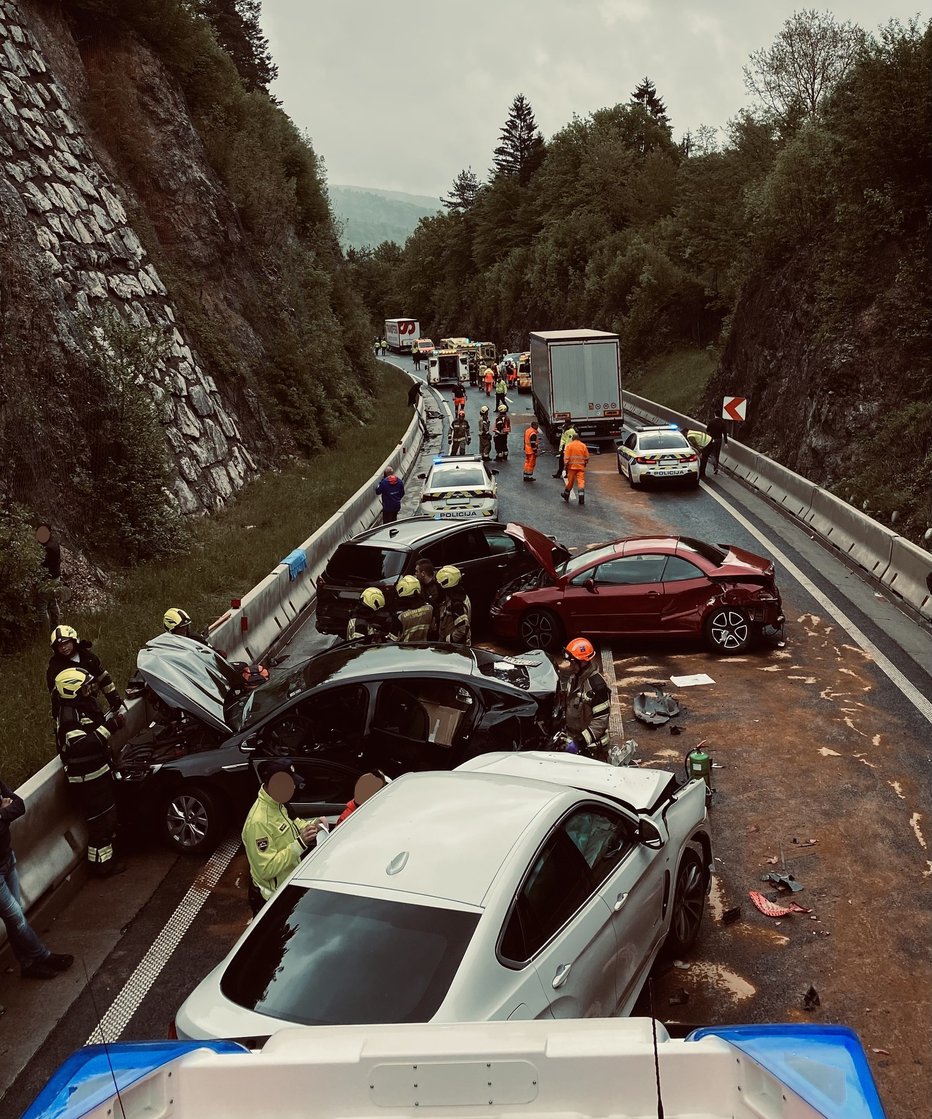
{"x": 735, "y": 408}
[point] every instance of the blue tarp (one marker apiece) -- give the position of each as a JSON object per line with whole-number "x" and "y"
{"x": 297, "y": 562}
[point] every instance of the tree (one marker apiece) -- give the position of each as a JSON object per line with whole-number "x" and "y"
{"x": 521, "y": 148}
{"x": 463, "y": 193}
{"x": 238, "y": 30}
{"x": 646, "y": 95}
{"x": 806, "y": 62}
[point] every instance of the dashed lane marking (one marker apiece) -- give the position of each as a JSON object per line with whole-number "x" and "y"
{"x": 886, "y": 666}
{"x": 128, "y": 1001}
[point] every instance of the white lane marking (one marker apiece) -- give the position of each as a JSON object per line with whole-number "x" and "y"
{"x": 616, "y": 723}
{"x": 128, "y": 1001}
{"x": 886, "y": 666}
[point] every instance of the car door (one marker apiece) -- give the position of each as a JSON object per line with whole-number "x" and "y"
{"x": 421, "y": 723}
{"x": 686, "y": 590}
{"x": 625, "y": 595}
{"x": 560, "y": 924}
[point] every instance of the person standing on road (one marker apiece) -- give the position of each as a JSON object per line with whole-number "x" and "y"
{"x": 531, "y": 445}
{"x": 459, "y": 400}
{"x": 383, "y": 346}
{"x": 568, "y": 434}
{"x": 485, "y": 433}
{"x": 391, "y": 490}
{"x": 576, "y": 457}
{"x": 501, "y": 390}
{"x": 717, "y": 430}
{"x": 274, "y": 841}
{"x": 488, "y": 379}
{"x": 459, "y": 436}
{"x": 502, "y": 431}
{"x": 373, "y": 623}
{"x": 587, "y": 700}
{"x": 417, "y": 359}
{"x": 415, "y": 616}
{"x": 83, "y": 740}
{"x": 69, "y": 652}
{"x": 34, "y": 959}
{"x": 454, "y": 624}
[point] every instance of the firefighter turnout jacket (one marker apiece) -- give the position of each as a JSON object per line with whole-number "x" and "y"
{"x": 588, "y": 702}
{"x": 273, "y": 843}
{"x": 82, "y": 657}
{"x": 455, "y": 614}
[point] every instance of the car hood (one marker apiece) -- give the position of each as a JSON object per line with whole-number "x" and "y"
{"x": 540, "y": 547}
{"x": 187, "y": 675}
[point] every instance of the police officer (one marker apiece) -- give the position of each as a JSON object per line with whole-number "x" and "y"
{"x": 69, "y": 652}
{"x": 373, "y": 623}
{"x": 587, "y": 700}
{"x": 531, "y": 446}
{"x": 178, "y": 622}
{"x": 83, "y": 740}
{"x": 459, "y": 436}
{"x": 501, "y": 389}
{"x": 275, "y": 842}
{"x": 485, "y": 433}
{"x": 502, "y": 430}
{"x": 454, "y": 623}
{"x": 414, "y": 615}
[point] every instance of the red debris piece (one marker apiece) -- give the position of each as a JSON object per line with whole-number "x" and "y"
{"x": 770, "y": 909}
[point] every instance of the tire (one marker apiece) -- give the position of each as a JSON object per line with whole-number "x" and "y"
{"x": 728, "y": 630}
{"x": 192, "y": 820}
{"x": 541, "y": 629}
{"x": 692, "y": 883}
{"x": 631, "y": 481}
{"x": 618, "y": 466}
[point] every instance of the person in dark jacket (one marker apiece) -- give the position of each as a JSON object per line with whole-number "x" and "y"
{"x": 391, "y": 490}
{"x": 34, "y": 959}
{"x": 373, "y": 623}
{"x": 453, "y": 611}
{"x": 459, "y": 436}
{"x": 717, "y": 430}
{"x": 70, "y": 652}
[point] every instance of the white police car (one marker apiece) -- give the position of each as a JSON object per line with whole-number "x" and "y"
{"x": 458, "y": 487}
{"x": 657, "y": 453}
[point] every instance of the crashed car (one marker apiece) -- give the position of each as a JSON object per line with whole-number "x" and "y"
{"x": 654, "y": 586}
{"x": 347, "y": 711}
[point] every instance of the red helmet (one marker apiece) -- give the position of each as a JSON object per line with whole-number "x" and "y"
{"x": 580, "y": 649}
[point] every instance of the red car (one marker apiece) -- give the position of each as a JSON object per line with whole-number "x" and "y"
{"x": 650, "y": 585}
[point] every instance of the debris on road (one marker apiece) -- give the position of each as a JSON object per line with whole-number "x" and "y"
{"x": 692, "y": 681}
{"x": 771, "y": 909}
{"x": 731, "y": 915}
{"x": 623, "y": 754}
{"x": 681, "y": 996}
{"x": 805, "y": 842}
{"x": 811, "y": 999}
{"x": 681, "y": 964}
{"x": 676, "y": 730}
{"x": 782, "y": 881}
{"x": 655, "y": 709}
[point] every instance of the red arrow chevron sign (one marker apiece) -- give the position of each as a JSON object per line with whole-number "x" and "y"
{"x": 734, "y": 408}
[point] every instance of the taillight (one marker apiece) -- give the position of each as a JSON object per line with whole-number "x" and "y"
{"x": 487, "y": 494}
{"x": 646, "y": 460}
{"x": 690, "y": 458}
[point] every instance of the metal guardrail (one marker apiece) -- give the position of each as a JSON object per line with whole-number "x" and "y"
{"x": 899, "y": 564}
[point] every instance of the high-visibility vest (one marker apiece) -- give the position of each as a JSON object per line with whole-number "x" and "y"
{"x": 576, "y": 455}
{"x": 530, "y": 441}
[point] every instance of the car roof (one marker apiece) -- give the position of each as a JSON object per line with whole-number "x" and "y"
{"x": 457, "y": 460}
{"x": 410, "y": 531}
{"x": 355, "y": 662}
{"x": 439, "y": 835}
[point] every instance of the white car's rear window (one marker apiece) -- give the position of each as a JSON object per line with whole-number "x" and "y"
{"x": 455, "y": 477}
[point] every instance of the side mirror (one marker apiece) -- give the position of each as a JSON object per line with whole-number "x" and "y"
{"x": 649, "y": 834}
{"x": 422, "y": 476}
{"x": 248, "y": 745}
{"x": 590, "y": 586}
{"x": 499, "y": 472}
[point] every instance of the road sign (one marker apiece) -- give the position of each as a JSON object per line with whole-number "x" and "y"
{"x": 734, "y": 408}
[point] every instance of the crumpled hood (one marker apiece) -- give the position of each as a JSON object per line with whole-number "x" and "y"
{"x": 187, "y": 675}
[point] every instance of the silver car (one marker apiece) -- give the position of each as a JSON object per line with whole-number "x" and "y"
{"x": 459, "y": 487}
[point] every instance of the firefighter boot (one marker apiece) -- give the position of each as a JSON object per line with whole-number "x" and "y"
{"x": 582, "y": 499}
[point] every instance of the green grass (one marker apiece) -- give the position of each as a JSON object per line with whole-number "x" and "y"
{"x": 677, "y": 380}
{"x": 230, "y": 553}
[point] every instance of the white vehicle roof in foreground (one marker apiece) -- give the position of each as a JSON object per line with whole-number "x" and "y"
{"x": 528, "y": 1070}
{"x": 440, "y": 835}
{"x": 637, "y": 787}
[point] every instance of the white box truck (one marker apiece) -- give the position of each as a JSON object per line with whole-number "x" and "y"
{"x": 446, "y": 367}
{"x": 401, "y": 333}
{"x": 576, "y": 378}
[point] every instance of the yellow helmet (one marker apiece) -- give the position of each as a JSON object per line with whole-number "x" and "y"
{"x": 174, "y": 618}
{"x": 408, "y": 586}
{"x": 64, "y": 633}
{"x": 449, "y": 576}
{"x": 70, "y": 681}
{"x": 373, "y": 597}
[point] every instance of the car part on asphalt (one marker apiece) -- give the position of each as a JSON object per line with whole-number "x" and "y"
{"x": 657, "y": 709}
{"x": 772, "y": 909}
{"x": 782, "y": 881}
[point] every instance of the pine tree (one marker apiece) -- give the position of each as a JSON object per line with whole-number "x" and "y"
{"x": 646, "y": 95}
{"x": 463, "y": 193}
{"x": 521, "y": 148}
{"x": 239, "y": 31}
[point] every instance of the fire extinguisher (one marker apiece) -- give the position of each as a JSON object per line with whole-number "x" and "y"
{"x": 699, "y": 766}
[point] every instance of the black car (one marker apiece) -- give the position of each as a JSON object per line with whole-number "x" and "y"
{"x": 345, "y": 712}
{"x": 489, "y": 554}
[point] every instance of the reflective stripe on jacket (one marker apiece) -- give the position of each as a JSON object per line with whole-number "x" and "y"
{"x": 530, "y": 441}
{"x": 588, "y": 706}
{"x": 273, "y": 843}
{"x": 415, "y": 622}
{"x": 576, "y": 455}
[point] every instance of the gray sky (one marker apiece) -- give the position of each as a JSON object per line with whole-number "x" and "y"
{"x": 403, "y": 94}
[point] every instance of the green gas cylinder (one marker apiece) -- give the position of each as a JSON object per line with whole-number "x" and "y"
{"x": 699, "y": 764}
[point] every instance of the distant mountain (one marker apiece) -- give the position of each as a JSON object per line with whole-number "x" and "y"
{"x": 369, "y": 216}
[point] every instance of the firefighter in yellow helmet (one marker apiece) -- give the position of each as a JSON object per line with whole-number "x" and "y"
{"x": 586, "y": 699}
{"x": 373, "y": 623}
{"x": 82, "y": 736}
{"x": 454, "y": 624}
{"x": 178, "y": 622}
{"x": 68, "y": 651}
{"x": 413, "y": 614}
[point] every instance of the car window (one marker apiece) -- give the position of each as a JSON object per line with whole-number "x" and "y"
{"x": 630, "y": 570}
{"x": 432, "y": 711}
{"x": 664, "y": 441}
{"x": 447, "y": 477}
{"x": 707, "y": 551}
{"x": 499, "y": 542}
{"x": 326, "y": 719}
{"x": 631, "y": 442}
{"x": 321, "y": 958}
{"x": 585, "y": 559}
{"x": 467, "y": 545}
{"x": 363, "y": 563}
{"x": 677, "y": 569}
{"x": 603, "y": 839}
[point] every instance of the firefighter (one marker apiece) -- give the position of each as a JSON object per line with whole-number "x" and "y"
{"x": 531, "y": 445}
{"x": 502, "y": 430}
{"x": 576, "y": 457}
{"x": 82, "y": 737}
{"x": 178, "y": 621}
{"x": 485, "y": 433}
{"x": 414, "y": 615}
{"x": 69, "y": 652}
{"x": 501, "y": 390}
{"x": 568, "y": 434}
{"x": 459, "y": 436}
{"x": 488, "y": 379}
{"x": 587, "y": 700}
{"x": 454, "y": 624}
{"x": 373, "y": 623}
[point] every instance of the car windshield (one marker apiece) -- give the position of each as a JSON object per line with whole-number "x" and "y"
{"x": 707, "y": 551}
{"x": 663, "y": 441}
{"x": 320, "y": 958}
{"x": 583, "y": 559}
{"x": 449, "y": 477}
{"x": 364, "y": 563}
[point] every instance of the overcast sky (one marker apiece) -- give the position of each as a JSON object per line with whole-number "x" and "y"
{"x": 403, "y": 94}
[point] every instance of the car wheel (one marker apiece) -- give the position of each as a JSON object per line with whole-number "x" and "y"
{"x": 540, "y": 629}
{"x": 631, "y": 482}
{"x": 692, "y": 884}
{"x": 728, "y": 630}
{"x": 192, "y": 820}
{"x": 618, "y": 465}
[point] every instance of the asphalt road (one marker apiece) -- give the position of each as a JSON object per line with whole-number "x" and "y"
{"x": 824, "y": 747}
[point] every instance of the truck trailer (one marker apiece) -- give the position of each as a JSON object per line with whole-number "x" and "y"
{"x": 576, "y": 378}
{"x": 401, "y": 333}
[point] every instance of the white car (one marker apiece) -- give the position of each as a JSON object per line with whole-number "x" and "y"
{"x": 520, "y": 885}
{"x": 458, "y": 487}
{"x": 657, "y": 453}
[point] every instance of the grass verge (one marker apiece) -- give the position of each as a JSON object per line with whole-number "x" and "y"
{"x": 230, "y": 553}
{"x": 677, "y": 380}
